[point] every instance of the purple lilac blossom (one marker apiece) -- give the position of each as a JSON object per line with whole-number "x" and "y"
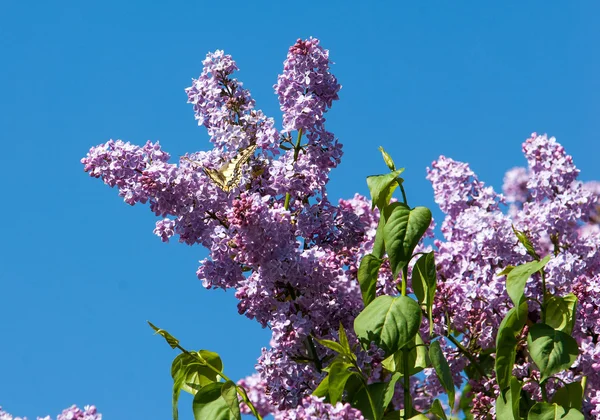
{"x": 89, "y": 412}
{"x": 313, "y": 408}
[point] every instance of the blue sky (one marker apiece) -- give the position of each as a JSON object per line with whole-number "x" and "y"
{"x": 80, "y": 271}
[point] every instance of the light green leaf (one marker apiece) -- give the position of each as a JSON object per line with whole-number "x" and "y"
{"x": 323, "y": 389}
{"x": 442, "y": 370}
{"x": 194, "y": 365}
{"x": 333, "y": 345}
{"x": 172, "y": 341}
{"x": 390, "y": 388}
{"x": 551, "y": 350}
{"x": 417, "y": 358}
{"x": 561, "y": 312}
{"x": 390, "y": 322}
{"x": 367, "y": 277}
{"x": 344, "y": 339}
{"x": 402, "y": 231}
{"x": 210, "y": 404}
{"x": 522, "y": 237}
{"x": 507, "y": 404}
{"x": 424, "y": 283}
{"x": 382, "y": 187}
{"x": 517, "y": 278}
{"x": 379, "y": 244}
{"x": 545, "y": 411}
{"x": 229, "y": 394}
{"x": 338, "y": 375}
{"x": 506, "y": 343}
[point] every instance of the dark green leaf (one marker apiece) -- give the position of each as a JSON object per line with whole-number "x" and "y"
{"x": 561, "y": 312}
{"x": 394, "y": 415}
{"x": 417, "y": 358}
{"x": 517, "y": 278}
{"x": 551, "y": 350}
{"x": 424, "y": 282}
{"x": 382, "y": 187}
{"x": 173, "y": 342}
{"x": 361, "y": 400}
{"x": 507, "y": 404}
{"x": 387, "y": 159}
{"x": 402, "y": 231}
{"x": 522, "y": 237}
{"x": 390, "y": 322}
{"x": 569, "y": 396}
{"x": 545, "y": 411}
{"x": 506, "y": 343}
{"x": 210, "y": 404}
{"x": 442, "y": 370}
{"x": 367, "y": 277}
{"x": 438, "y": 410}
{"x": 379, "y": 245}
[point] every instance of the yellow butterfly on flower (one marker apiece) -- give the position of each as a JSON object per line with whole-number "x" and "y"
{"x": 229, "y": 175}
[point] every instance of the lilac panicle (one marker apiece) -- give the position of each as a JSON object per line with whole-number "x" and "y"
{"x": 313, "y": 408}
{"x": 89, "y": 412}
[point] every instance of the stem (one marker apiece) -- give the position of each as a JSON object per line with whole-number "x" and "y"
{"x": 403, "y": 193}
{"x": 286, "y": 204}
{"x": 406, "y": 384}
{"x": 467, "y": 353}
{"x": 544, "y": 392}
{"x": 404, "y": 279}
{"x": 543, "y": 296}
{"x": 313, "y": 354}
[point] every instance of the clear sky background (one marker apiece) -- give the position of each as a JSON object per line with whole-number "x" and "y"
{"x": 81, "y": 271}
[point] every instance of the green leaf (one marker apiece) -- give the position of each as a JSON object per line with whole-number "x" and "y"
{"x": 377, "y": 392}
{"x": 338, "y": 375}
{"x": 344, "y": 339}
{"x": 367, "y": 277}
{"x": 196, "y": 371}
{"x": 507, "y": 404}
{"x": 173, "y": 342}
{"x": 522, "y": 237}
{"x": 546, "y": 411}
{"x": 387, "y": 159}
{"x": 382, "y": 187}
{"x": 229, "y": 394}
{"x": 517, "y": 278}
{"x": 178, "y": 380}
{"x": 390, "y": 322}
{"x": 210, "y": 404}
{"x": 551, "y": 350}
{"x": 506, "y": 270}
{"x": 402, "y": 231}
{"x": 506, "y": 343}
{"x": 438, "y": 410}
{"x": 569, "y": 396}
{"x": 333, "y": 345}
{"x": 442, "y": 370}
{"x": 379, "y": 244}
{"x": 419, "y": 417}
{"x": 424, "y": 282}
{"x": 394, "y": 415}
{"x": 561, "y": 312}
{"x": 323, "y": 389}
{"x": 417, "y": 358}
{"x": 390, "y": 388}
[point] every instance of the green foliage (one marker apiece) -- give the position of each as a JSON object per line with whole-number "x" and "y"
{"x": 390, "y": 322}
{"x": 172, "y": 341}
{"x": 507, "y": 404}
{"x": 382, "y": 187}
{"x": 217, "y": 401}
{"x": 551, "y": 350}
{"x": 417, "y": 358}
{"x": 367, "y": 277}
{"x": 524, "y": 240}
{"x": 506, "y": 343}
{"x": 387, "y": 159}
{"x": 546, "y": 411}
{"x": 403, "y": 229}
{"x": 517, "y": 278}
{"x": 561, "y": 312}
{"x": 424, "y": 283}
{"x": 379, "y": 245}
{"x": 376, "y": 394}
{"x": 442, "y": 370}
{"x": 569, "y": 396}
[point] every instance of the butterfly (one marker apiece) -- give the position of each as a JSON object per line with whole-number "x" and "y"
{"x": 229, "y": 175}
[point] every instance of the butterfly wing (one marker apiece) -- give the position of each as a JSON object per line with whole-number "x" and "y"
{"x": 230, "y": 174}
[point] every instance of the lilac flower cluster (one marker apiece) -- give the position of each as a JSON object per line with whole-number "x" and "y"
{"x": 554, "y": 210}
{"x": 89, "y": 412}
{"x": 292, "y": 256}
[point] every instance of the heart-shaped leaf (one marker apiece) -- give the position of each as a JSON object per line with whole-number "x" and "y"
{"x": 551, "y": 350}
